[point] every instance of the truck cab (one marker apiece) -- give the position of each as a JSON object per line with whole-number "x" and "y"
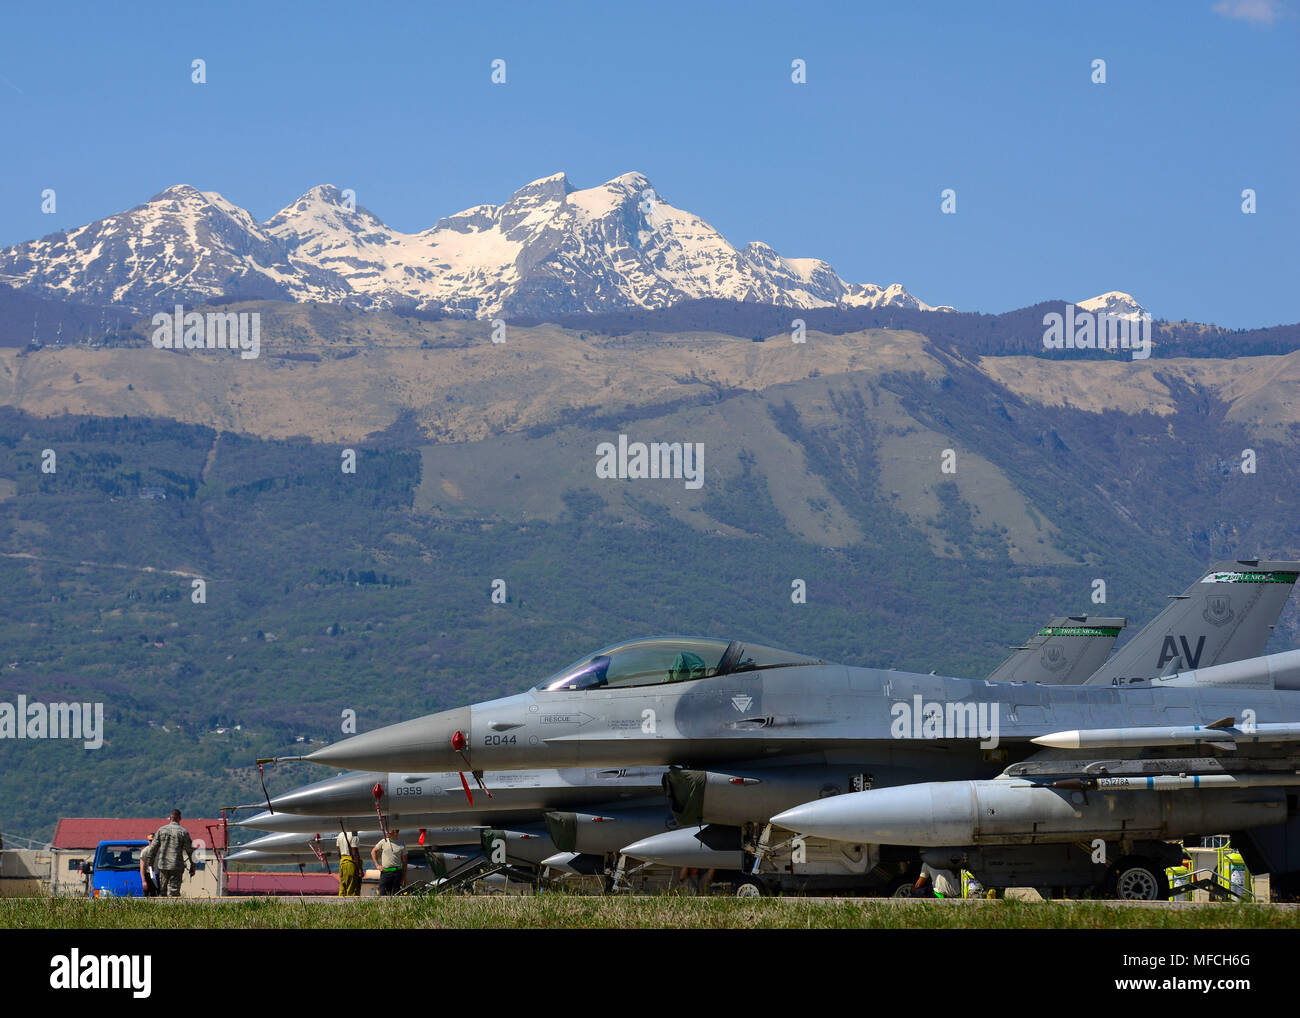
{"x": 115, "y": 872}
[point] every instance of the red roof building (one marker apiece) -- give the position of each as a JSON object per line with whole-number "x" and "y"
{"x": 74, "y": 833}
{"x": 76, "y": 838}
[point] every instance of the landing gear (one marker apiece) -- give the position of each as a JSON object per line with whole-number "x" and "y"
{"x": 1138, "y": 879}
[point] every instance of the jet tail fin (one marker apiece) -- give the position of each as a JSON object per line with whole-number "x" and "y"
{"x": 1227, "y": 615}
{"x": 1064, "y": 652}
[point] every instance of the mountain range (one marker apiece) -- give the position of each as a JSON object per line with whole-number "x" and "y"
{"x": 550, "y": 250}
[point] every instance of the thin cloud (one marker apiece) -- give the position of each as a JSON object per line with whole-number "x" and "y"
{"x": 1257, "y": 12}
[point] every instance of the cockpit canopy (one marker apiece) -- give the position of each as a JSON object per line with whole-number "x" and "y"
{"x": 668, "y": 659}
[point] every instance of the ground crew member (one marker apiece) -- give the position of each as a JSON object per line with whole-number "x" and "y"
{"x": 349, "y": 864}
{"x": 148, "y": 878}
{"x": 943, "y": 883}
{"x": 167, "y": 854}
{"x": 390, "y": 856}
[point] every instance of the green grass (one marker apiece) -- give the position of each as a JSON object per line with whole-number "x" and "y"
{"x": 559, "y": 911}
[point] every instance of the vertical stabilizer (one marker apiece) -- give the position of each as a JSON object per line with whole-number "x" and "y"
{"x": 1226, "y": 615}
{"x": 1064, "y": 652}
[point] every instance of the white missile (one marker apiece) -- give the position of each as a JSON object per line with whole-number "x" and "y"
{"x": 1224, "y": 735}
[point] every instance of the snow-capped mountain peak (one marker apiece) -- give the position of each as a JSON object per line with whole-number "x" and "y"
{"x": 550, "y": 249}
{"x": 1114, "y": 302}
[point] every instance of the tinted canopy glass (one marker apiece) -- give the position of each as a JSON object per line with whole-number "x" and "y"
{"x": 667, "y": 659}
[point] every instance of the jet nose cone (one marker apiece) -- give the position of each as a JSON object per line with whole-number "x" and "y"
{"x": 423, "y": 744}
{"x": 295, "y": 823}
{"x": 346, "y": 795}
{"x": 246, "y": 855}
{"x": 278, "y": 841}
{"x": 277, "y": 822}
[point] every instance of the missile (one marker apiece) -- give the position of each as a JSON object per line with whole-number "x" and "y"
{"x": 711, "y": 847}
{"x": 1002, "y": 811}
{"x": 1221, "y": 734}
{"x": 1272, "y": 671}
{"x": 1168, "y": 782}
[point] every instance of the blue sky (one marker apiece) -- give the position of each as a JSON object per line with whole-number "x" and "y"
{"x": 1065, "y": 188}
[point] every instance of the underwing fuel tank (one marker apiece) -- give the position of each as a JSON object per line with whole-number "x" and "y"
{"x": 1011, "y": 812}
{"x": 530, "y": 846}
{"x": 600, "y": 833}
{"x": 574, "y": 864}
{"x": 711, "y": 847}
{"x": 738, "y": 797}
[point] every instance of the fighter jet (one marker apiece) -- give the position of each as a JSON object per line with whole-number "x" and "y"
{"x": 586, "y": 811}
{"x": 323, "y": 840}
{"x": 448, "y": 858}
{"x": 525, "y": 846}
{"x": 1068, "y": 648}
{"x": 763, "y": 723}
{"x": 671, "y": 700}
{"x": 362, "y": 793}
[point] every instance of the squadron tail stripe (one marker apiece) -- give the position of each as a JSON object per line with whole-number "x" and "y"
{"x": 1269, "y": 577}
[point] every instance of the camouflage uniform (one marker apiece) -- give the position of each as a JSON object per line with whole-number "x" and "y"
{"x": 167, "y": 854}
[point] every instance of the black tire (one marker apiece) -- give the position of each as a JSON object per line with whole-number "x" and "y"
{"x": 750, "y": 888}
{"x": 899, "y": 887}
{"x": 1136, "y": 878}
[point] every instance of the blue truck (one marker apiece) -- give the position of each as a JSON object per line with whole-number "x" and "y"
{"x": 115, "y": 872}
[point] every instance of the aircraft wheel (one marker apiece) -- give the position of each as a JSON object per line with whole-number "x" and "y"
{"x": 1138, "y": 879}
{"x": 900, "y": 887}
{"x": 750, "y": 889}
